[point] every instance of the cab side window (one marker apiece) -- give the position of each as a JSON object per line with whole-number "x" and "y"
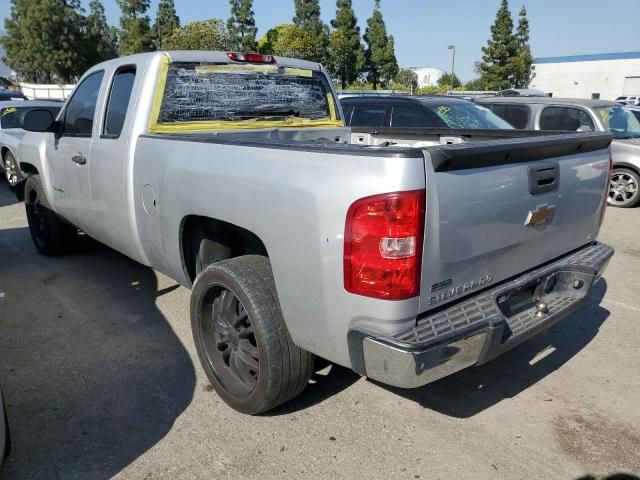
{"x": 516, "y": 115}
{"x": 119, "y": 96}
{"x": 370, "y": 116}
{"x": 81, "y": 108}
{"x": 566, "y": 118}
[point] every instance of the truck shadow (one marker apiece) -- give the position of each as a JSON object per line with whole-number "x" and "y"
{"x": 475, "y": 389}
{"x": 7, "y": 195}
{"x": 92, "y": 373}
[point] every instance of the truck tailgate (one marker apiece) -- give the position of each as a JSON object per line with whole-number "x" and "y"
{"x": 496, "y": 209}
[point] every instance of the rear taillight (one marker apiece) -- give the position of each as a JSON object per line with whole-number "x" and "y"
{"x": 251, "y": 57}
{"x": 383, "y": 245}
{"x": 603, "y": 209}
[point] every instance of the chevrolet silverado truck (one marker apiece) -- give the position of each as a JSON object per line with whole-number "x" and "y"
{"x": 403, "y": 255}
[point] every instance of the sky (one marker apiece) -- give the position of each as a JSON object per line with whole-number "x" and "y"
{"x": 424, "y": 28}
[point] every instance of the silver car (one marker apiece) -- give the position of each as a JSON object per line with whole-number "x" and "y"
{"x": 10, "y": 133}
{"x": 582, "y": 115}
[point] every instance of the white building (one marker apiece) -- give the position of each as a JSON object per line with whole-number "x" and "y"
{"x": 605, "y": 76}
{"x": 427, "y": 76}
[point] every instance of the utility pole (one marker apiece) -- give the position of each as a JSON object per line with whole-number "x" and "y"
{"x": 453, "y": 60}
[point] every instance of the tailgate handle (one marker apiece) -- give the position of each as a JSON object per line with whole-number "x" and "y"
{"x": 543, "y": 178}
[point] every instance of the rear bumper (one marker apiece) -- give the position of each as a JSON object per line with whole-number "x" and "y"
{"x": 481, "y": 327}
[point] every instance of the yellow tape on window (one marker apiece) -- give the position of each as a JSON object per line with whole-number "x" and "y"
{"x": 235, "y": 68}
{"x": 298, "y": 72}
{"x": 176, "y": 127}
{"x": 159, "y": 94}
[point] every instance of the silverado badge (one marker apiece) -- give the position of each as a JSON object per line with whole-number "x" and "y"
{"x": 540, "y": 215}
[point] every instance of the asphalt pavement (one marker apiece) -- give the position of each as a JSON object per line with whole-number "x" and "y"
{"x": 101, "y": 380}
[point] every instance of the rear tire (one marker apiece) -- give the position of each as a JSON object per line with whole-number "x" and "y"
{"x": 241, "y": 338}
{"x": 624, "y": 188}
{"x": 50, "y": 234}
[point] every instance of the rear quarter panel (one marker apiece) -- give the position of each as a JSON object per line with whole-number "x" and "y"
{"x": 296, "y": 202}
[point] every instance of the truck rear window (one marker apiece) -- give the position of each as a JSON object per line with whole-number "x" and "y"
{"x": 200, "y": 96}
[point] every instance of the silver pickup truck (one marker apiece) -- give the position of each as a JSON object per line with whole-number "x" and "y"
{"x": 403, "y": 255}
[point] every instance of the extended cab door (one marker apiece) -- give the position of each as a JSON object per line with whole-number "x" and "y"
{"x": 110, "y": 221}
{"x": 69, "y": 154}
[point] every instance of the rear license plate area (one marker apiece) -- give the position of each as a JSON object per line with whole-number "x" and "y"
{"x": 525, "y": 298}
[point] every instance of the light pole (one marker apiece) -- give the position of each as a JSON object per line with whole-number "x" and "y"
{"x": 453, "y": 60}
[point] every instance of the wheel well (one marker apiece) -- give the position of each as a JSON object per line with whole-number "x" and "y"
{"x": 3, "y": 151}
{"x": 206, "y": 240}
{"x": 628, "y": 166}
{"x": 28, "y": 169}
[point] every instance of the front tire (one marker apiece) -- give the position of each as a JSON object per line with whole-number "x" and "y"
{"x": 11, "y": 171}
{"x": 241, "y": 338}
{"x": 624, "y": 191}
{"x": 50, "y": 234}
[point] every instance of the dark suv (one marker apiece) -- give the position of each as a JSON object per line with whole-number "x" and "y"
{"x": 418, "y": 112}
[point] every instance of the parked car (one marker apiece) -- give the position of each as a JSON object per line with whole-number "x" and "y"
{"x": 234, "y": 175}
{"x": 633, "y": 100}
{"x": 635, "y": 110}
{"x": 9, "y": 96}
{"x": 397, "y": 111}
{"x": 584, "y": 116}
{"x": 521, "y": 92}
{"x": 11, "y": 132}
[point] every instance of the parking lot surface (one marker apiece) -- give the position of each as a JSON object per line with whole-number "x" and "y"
{"x": 102, "y": 380}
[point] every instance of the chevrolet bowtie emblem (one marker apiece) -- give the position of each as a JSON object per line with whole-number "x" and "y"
{"x": 541, "y": 215}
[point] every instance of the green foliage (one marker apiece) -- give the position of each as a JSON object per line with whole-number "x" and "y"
{"x": 242, "y": 26}
{"x": 524, "y": 58}
{"x": 432, "y": 90}
{"x": 307, "y": 19}
{"x": 135, "y": 31}
{"x": 288, "y": 40}
{"x": 209, "y": 34}
{"x": 166, "y": 22}
{"x": 380, "y": 60}
{"x": 449, "y": 80}
{"x": 408, "y": 78}
{"x": 475, "y": 85}
{"x": 42, "y": 39}
{"x": 499, "y": 63}
{"x": 100, "y": 43}
{"x": 346, "y": 54}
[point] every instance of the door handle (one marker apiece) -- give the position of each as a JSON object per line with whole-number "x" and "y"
{"x": 79, "y": 159}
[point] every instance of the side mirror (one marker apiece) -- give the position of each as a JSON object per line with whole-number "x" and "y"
{"x": 38, "y": 121}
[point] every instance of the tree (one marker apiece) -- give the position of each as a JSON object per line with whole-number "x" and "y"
{"x": 167, "y": 21}
{"x": 499, "y": 63}
{"x": 380, "y": 59}
{"x": 288, "y": 40}
{"x": 101, "y": 39}
{"x": 346, "y": 54}
{"x": 450, "y": 80}
{"x": 475, "y": 85}
{"x": 209, "y": 34}
{"x": 42, "y": 39}
{"x": 408, "y": 78}
{"x": 307, "y": 19}
{"x": 524, "y": 58}
{"x": 135, "y": 31}
{"x": 242, "y": 26}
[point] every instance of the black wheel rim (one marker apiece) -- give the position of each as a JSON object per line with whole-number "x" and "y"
{"x": 35, "y": 216}
{"x": 228, "y": 341}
